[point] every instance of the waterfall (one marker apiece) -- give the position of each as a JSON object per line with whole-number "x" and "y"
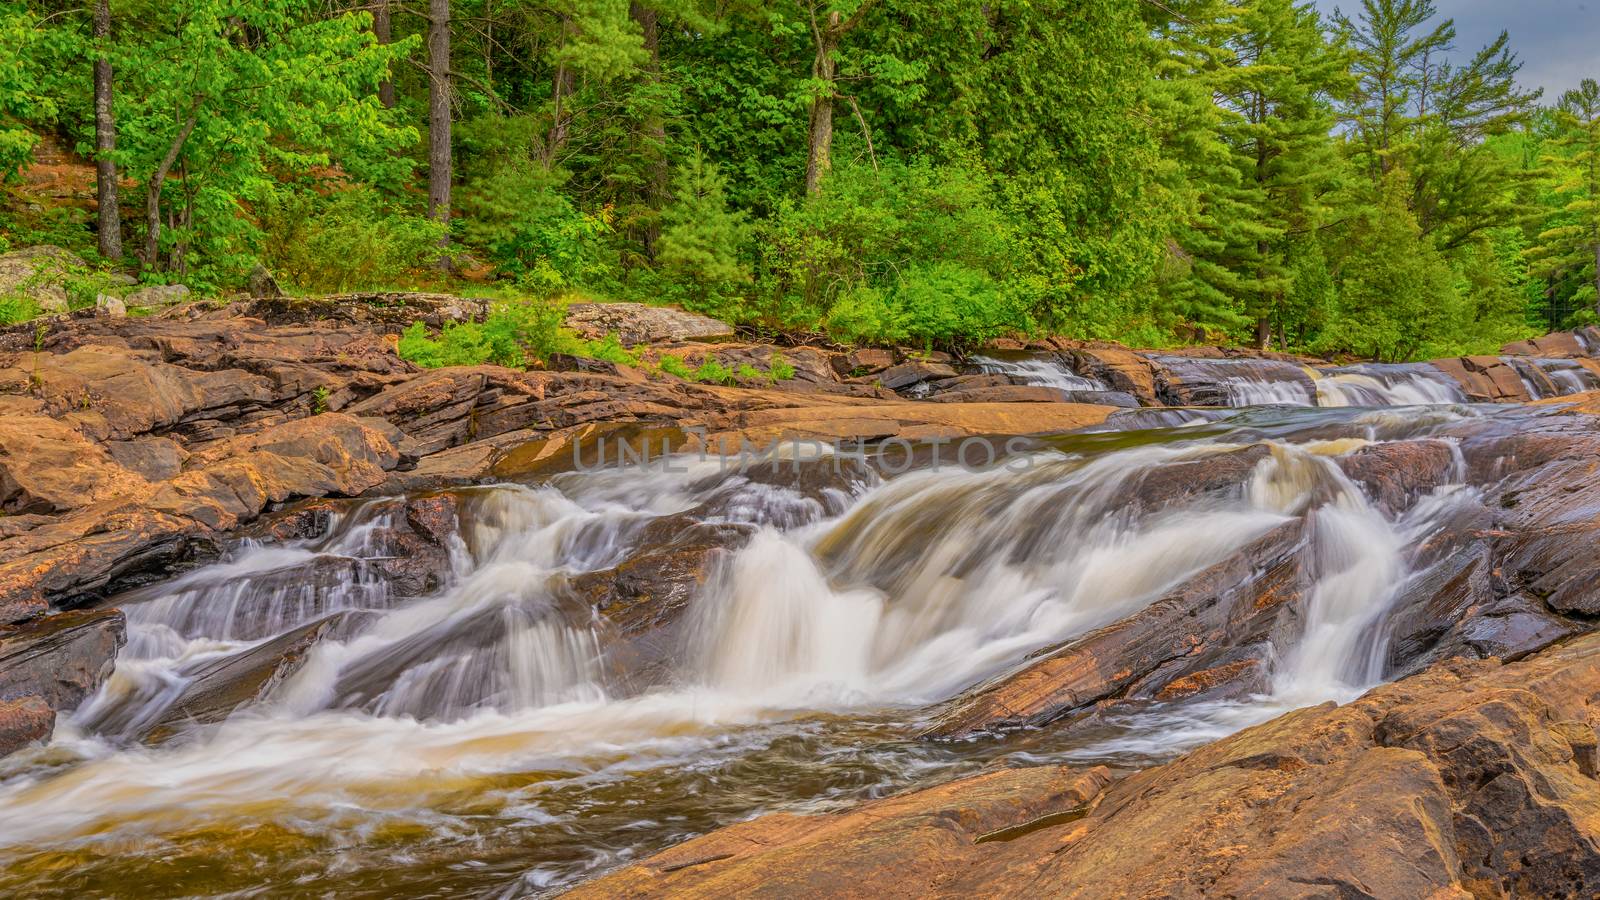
{"x": 1044, "y": 372}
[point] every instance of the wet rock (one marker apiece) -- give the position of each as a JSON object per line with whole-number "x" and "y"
{"x": 910, "y": 373}
{"x": 1471, "y": 779}
{"x": 1131, "y": 373}
{"x": 23, "y": 721}
{"x": 636, "y": 323}
{"x": 655, "y": 584}
{"x": 1562, "y": 344}
{"x": 1190, "y": 381}
{"x": 918, "y": 844}
{"x": 1485, "y": 379}
{"x": 1008, "y": 393}
{"x": 60, "y": 658}
{"x": 1395, "y": 473}
{"x": 217, "y": 687}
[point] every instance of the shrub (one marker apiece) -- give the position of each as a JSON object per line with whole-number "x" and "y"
{"x": 713, "y": 372}
{"x": 511, "y": 333}
{"x": 674, "y": 366}
{"x": 352, "y": 238}
{"x": 17, "y": 308}
{"x": 779, "y": 368}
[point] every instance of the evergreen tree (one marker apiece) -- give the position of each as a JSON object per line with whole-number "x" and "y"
{"x": 1569, "y": 244}
{"x": 1275, "y": 87}
{"x": 702, "y": 240}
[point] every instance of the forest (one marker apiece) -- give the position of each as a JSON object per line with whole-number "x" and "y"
{"x": 1158, "y": 172}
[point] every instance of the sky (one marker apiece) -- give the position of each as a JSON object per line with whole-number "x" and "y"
{"x": 1556, "y": 40}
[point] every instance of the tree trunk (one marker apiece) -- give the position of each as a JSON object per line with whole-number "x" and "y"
{"x": 152, "y": 209}
{"x": 105, "y": 140}
{"x": 1263, "y": 332}
{"x": 655, "y": 129}
{"x": 439, "y": 162}
{"x": 383, "y": 30}
{"x": 563, "y": 85}
{"x": 823, "y": 68}
{"x": 1597, "y": 279}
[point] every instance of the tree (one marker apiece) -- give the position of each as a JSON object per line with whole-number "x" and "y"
{"x": 105, "y": 138}
{"x": 1415, "y": 111}
{"x": 1272, "y": 78}
{"x": 702, "y": 240}
{"x": 828, "y": 29}
{"x": 1569, "y": 244}
{"x": 440, "y": 169}
{"x": 224, "y": 100}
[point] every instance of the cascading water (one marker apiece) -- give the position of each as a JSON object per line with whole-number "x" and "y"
{"x": 1386, "y": 385}
{"x": 1044, "y": 372}
{"x": 488, "y": 734}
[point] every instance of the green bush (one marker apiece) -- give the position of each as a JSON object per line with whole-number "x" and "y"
{"x": 779, "y": 368}
{"x": 676, "y": 367}
{"x": 940, "y": 303}
{"x": 17, "y": 308}
{"x": 512, "y": 333}
{"x": 353, "y": 238}
{"x": 713, "y": 372}
{"x": 609, "y": 349}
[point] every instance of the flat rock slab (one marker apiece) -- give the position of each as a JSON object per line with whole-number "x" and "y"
{"x": 636, "y": 323}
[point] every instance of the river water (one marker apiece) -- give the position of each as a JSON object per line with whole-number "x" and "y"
{"x": 487, "y": 738}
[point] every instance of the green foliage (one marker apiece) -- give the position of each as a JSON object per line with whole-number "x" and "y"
{"x": 1397, "y": 293}
{"x": 510, "y": 335}
{"x": 779, "y": 368}
{"x": 15, "y": 308}
{"x": 675, "y": 367}
{"x": 609, "y": 349}
{"x": 703, "y": 241}
{"x": 350, "y": 238}
{"x": 22, "y": 98}
{"x": 710, "y": 371}
{"x": 1218, "y": 169}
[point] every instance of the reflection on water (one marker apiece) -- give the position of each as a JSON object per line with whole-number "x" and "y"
{"x": 489, "y": 737}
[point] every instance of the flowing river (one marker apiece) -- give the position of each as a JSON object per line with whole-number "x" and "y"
{"x": 490, "y": 736}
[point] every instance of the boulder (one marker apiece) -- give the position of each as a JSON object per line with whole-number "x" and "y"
{"x": 23, "y": 721}
{"x": 107, "y": 305}
{"x": 60, "y": 659}
{"x": 636, "y": 323}
{"x": 39, "y": 273}
{"x": 1485, "y": 379}
{"x": 909, "y": 373}
{"x": 158, "y": 295}
{"x": 1193, "y": 629}
{"x": 865, "y": 361}
{"x": 1124, "y": 370}
{"x": 48, "y": 467}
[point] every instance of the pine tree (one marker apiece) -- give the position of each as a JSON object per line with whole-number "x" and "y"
{"x": 1570, "y": 241}
{"x": 1275, "y": 90}
{"x": 702, "y": 238}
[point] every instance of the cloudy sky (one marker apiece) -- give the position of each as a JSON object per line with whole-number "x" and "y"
{"x": 1558, "y": 41}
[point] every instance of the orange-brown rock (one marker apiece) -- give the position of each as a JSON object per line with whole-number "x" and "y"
{"x": 1126, "y": 371}
{"x": 1469, "y": 780}
{"x": 1485, "y": 378}
{"x": 1558, "y": 344}
{"x": 23, "y": 721}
